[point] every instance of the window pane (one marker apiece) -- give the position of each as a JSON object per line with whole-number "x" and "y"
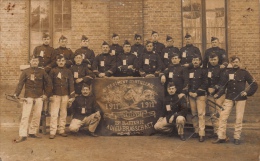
{"x": 215, "y": 21}
{"x": 191, "y": 12}
{"x": 39, "y": 22}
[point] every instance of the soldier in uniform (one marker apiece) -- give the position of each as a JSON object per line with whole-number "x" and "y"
{"x": 137, "y": 49}
{"x": 174, "y": 112}
{"x": 37, "y": 88}
{"x": 88, "y": 55}
{"x": 168, "y": 51}
{"x": 177, "y": 74}
{"x": 234, "y": 82}
{"x": 66, "y": 52}
{"x": 188, "y": 52}
{"x": 62, "y": 94}
{"x": 115, "y": 47}
{"x": 126, "y": 62}
{"x": 85, "y": 112}
{"x": 157, "y": 46}
{"x": 221, "y": 53}
{"x": 45, "y": 53}
{"x": 150, "y": 64}
{"x": 46, "y": 61}
{"x": 197, "y": 97}
{"x": 214, "y": 74}
{"x": 81, "y": 73}
{"x": 104, "y": 65}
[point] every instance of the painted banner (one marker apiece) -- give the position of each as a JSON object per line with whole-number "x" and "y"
{"x": 130, "y": 105}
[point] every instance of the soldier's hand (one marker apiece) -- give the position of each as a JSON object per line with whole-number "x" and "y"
{"x": 15, "y": 97}
{"x": 163, "y": 79}
{"x": 97, "y": 115}
{"x": 215, "y": 96}
{"x": 181, "y": 95}
{"x": 79, "y": 80}
{"x": 89, "y": 66}
{"x": 150, "y": 76}
{"x": 211, "y": 90}
{"x": 130, "y": 67}
{"x": 222, "y": 66}
{"x": 101, "y": 75}
{"x": 160, "y": 119}
{"x": 70, "y": 101}
{"x": 186, "y": 65}
{"x": 44, "y": 97}
{"x": 243, "y": 93}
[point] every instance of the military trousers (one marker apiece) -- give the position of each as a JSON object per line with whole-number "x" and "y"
{"x": 163, "y": 126}
{"x": 58, "y": 108}
{"x": 91, "y": 121}
{"x": 240, "y": 108}
{"x": 30, "y": 104}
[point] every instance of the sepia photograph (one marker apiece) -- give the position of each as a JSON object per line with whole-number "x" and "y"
{"x": 129, "y": 80}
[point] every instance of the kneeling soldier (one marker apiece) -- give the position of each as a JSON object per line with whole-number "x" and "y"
{"x": 175, "y": 110}
{"x": 85, "y": 112}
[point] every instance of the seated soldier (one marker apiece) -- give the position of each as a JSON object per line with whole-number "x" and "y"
{"x": 81, "y": 73}
{"x": 85, "y": 112}
{"x": 175, "y": 110}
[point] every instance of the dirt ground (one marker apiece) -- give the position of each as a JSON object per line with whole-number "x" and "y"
{"x": 127, "y": 148}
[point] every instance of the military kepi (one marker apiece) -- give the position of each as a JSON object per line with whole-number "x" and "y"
{"x": 105, "y": 43}
{"x": 62, "y": 37}
{"x": 168, "y": 38}
{"x": 84, "y": 37}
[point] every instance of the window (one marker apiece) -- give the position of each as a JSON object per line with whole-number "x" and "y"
{"x": 52, "y": 17}
{"x": 203, "y": 19}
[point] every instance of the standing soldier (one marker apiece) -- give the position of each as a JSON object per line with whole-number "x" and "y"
{"x": 62, "y": 94}
{"x": 234, "y": 81}
{"x": 174, "y": 112}
{"x": 188, "y": 52}
{"x": 126, "y": 62}
{"x": 115, "y": 47}
{"x": 104, "y": 65}
{"x": 46, "y": 56}
{"x": 157, "y": 46}
{"x": 85, "y": 112}
{"x": 45, "y": 53}
{"x": 168, "y": 51}
{"x": 64, "y": 51}
{"x": 214, "y": 73}
{"x": 88, "y": 55}
{"x": 137, "y": 49}
{"x": 150, "y": 64}
{"x": 177, "y": 74}
{"x": 81, "y": 73}
{"x": 37, "y": 88}
{"x": 221, "y": 53}
{"x": 197, "y": 96}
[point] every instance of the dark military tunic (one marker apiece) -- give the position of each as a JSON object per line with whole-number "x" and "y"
{"x": 234, "y": 80}
{"x": 123, "y": 61}
{"x": 137, "y": 50}
{"x": 81, "y": 71}
{"x": 150, "y": 63}
{"x": 87, "y": 102}
{"x": 67, "y": 53}
{"x": 198, "y": 81}
{"x": 63, "y": 83}
{"x": 158, "y": 47}
{"x": 88, "y": 55}
{"x": 214, "y": 74}
{"x": 167, "y": 54}
{"x": 36, "y": 81}
{"x": 173, "y": 106}
{"x": 104, "y": 63}
{"x": 46, "y": 56}
{"x": 116, "y": 49}
{"x": 221, "y": 53}
{"x": 188, "y": 52}
{"x": 179, "y": 75}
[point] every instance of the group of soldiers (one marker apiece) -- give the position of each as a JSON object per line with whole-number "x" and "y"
{"x": 64, "y": 77}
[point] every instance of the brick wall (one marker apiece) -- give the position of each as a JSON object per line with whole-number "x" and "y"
{"x": 243, "y": 41}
